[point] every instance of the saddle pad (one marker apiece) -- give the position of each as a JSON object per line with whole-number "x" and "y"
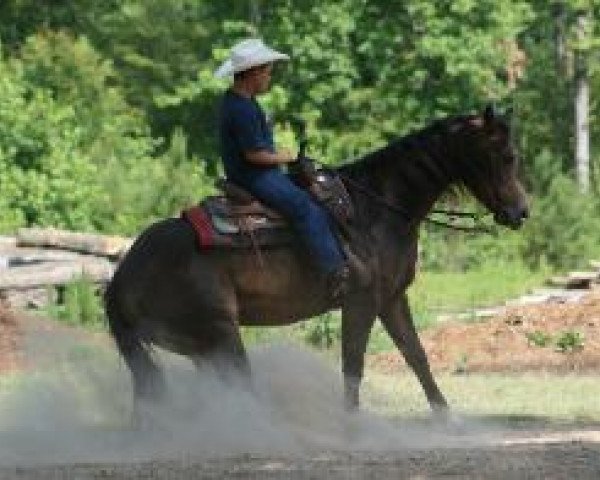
{"x": 212, "y": 231}
{"x": 198, "y": 219}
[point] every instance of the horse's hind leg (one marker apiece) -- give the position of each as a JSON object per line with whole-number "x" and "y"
{"x": 227, "y": 356}
{"x": 148, "y": 380}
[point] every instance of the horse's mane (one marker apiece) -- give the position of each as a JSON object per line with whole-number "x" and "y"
{"x": 420, "y": 156}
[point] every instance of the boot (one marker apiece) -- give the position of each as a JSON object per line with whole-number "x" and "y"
{"x": 338, "y": 283}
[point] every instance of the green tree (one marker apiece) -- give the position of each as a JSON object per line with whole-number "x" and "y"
{"x": 108, "y": 109}
{"x": 73, "y": 152}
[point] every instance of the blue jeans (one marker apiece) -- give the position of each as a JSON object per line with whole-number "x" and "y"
{"x": 277, "y": 191}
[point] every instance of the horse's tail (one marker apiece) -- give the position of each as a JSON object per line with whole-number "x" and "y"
{"x": 122, "y": 329}
{"x": 147, "y": 378}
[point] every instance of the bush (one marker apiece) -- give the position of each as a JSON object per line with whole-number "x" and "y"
{"x": 569, "y": 341}
{"x": 135, "y": 193}
{"x": 448, "y": 250}
{"x": 563, "y": 229}
{"x": 60, "y": 126}
{"x": 323, "y": 331}
{"x": 74, "y": 154}
{"x": 81, "y": 304}
{"x": 561, "y": 233}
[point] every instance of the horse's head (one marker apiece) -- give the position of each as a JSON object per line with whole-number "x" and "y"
{"x": 489, "y": 168}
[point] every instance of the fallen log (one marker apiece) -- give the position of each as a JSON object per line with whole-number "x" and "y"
{"x": 7, "y": 242}
{"x": 57, "y": 273}
{"x": 547, "y": 295}
{"x": 587, "y": 274}
{"x": 90, "y": 243}
{"x": 579, "y": 280}
{"x": 27, "y": 255}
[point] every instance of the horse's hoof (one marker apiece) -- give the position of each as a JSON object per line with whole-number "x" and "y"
{"x": 139, "y": 422}
{"x": 450, "y": 421}
{"x": 441, "y": 413}
{"x": 455, "y": 422}
{"x": 143, "y": 420}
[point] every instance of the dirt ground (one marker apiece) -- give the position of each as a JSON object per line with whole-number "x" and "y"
{"x": 521, "y": 339}
{"x": 527, "y": 338}
{"x": 565, "y": 461}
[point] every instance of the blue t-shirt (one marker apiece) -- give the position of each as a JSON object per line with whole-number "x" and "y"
{"x": 243, "y": 126}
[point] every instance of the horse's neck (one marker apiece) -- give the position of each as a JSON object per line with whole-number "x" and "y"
{"x": 408, "y": 176}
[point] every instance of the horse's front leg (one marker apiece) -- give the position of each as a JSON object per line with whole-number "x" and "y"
{"x": 398, "y": 322}
{"x": 358, "y": 315}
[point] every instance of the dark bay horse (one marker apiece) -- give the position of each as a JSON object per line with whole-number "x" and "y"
{"x": 168, "y": 294}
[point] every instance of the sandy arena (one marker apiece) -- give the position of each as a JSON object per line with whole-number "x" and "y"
{"x": 67, "y": 417}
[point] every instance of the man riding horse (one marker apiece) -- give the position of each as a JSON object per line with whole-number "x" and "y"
{"x": 252, "y": 162}
{"x": 175, "y": 291}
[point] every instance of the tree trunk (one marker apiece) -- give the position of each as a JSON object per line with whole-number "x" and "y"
{"x": 582, "y": 99}
{"x": 255, "y": 14}
{"x": 561, "y": 86}
{"x": 560, "y": 49}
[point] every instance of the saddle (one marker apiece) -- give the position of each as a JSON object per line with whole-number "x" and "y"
{"x": 238, "y": 219}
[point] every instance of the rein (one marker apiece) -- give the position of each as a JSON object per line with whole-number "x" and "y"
{"x": 398, "y": 209}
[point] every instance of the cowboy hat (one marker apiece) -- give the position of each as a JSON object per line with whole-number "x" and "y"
{"x": 247, "y": 54}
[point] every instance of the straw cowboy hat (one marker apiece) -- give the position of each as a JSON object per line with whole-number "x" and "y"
{"x": 247, "y": 54}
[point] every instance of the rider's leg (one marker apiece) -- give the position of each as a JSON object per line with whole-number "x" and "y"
{"x": 276, "y": 189}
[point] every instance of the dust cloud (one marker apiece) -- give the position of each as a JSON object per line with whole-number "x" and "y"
{"x": 78, "y": 410}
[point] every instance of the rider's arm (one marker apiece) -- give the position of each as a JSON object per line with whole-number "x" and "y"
{"x": 248, "y": 130}
{"x": 267, "y": 157}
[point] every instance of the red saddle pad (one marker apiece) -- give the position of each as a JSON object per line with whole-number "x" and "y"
{"x": 197, "y": 217}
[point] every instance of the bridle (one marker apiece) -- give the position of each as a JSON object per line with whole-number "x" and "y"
{"x": 477, "y": 228}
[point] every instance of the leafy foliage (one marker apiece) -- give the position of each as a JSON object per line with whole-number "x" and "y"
{"x": 570, "y": 341}
{"x": 562, "y": 231}
{"x": 80, "y": 305}
{"x": 73, "y": 152}
{"x": 538, "y": 338}
{"x": 107, "y": 109}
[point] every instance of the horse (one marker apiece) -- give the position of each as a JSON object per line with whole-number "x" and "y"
{"x": 166, "y": 293}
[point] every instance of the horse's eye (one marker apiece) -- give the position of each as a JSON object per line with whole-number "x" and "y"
{"x": 508, "y": 155}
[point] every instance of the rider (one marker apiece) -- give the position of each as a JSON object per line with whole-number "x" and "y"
{"x": 251, "y": 160}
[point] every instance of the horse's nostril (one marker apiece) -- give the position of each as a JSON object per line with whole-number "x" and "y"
{"x": 525, "y": 213}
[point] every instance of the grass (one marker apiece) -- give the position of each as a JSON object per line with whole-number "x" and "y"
{"x": 435, "y": 292}
{"x": 9, "y": 381}
{"x": 561, "y": 397}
